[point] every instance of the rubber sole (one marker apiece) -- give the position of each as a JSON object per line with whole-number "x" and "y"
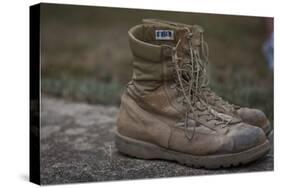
{"x": 145, "y": 150}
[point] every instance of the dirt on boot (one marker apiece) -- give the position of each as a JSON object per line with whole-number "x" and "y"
{"x": 251, "y": 116}
{"x": 163, "y": 112}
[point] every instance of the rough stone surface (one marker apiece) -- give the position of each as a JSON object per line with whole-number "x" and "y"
{"x": 77, "y": 145}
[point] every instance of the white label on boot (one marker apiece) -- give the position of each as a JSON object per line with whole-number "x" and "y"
{"x": 164, "y": 34}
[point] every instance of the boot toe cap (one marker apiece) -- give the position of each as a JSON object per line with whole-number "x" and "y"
{"x": 254, "y": 117}
{"x": 245, "y": 137}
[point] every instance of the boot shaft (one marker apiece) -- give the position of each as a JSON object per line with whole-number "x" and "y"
{"x": 152, "y": 45}
{"x": 157, "y": 70}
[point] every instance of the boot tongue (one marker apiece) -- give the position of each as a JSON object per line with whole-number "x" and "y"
{"x": 190, "y": 38}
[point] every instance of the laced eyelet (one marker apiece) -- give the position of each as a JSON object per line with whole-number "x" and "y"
{"x": 173, "y": 86}
{"x": 178, "y": 100}
{"x": 190, "y": 35}
{"x": 216, "y": 124}
{"x": 189, "y": 68}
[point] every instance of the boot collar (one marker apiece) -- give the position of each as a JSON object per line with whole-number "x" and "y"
{"x": 154, "y": 42}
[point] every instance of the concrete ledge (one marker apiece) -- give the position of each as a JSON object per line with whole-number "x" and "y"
{"x": 77, "y": 145}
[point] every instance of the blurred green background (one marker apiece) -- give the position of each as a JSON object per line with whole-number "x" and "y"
{"x": 86, "y": 57}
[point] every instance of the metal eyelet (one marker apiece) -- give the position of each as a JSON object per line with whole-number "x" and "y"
{"x": 178, "y": 100}
{"x": 173, "y": 86}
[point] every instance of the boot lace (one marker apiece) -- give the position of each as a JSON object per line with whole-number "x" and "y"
{"x": 191, "y": 78}
{"x": 220, "y": 102}
{"x": 210, "y": 96}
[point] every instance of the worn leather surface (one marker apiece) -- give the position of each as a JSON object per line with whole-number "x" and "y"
{"x": 155, "y": 121}
{"x": 251, "y": 116}
{"x": 254, "y": 117}
{"x": 151, "y": 110}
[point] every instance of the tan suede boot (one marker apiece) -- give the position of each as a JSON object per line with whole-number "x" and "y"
{"x": 248, "y": 115}
{"x": 162, "y": 114}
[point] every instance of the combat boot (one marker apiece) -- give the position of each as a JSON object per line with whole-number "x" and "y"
{"x": 163, "y": 114}
{"x": 248, "y": 115}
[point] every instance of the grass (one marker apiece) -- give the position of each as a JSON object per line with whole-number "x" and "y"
{"x": 85, "y": 90}
{"x": 86, "y": 56}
